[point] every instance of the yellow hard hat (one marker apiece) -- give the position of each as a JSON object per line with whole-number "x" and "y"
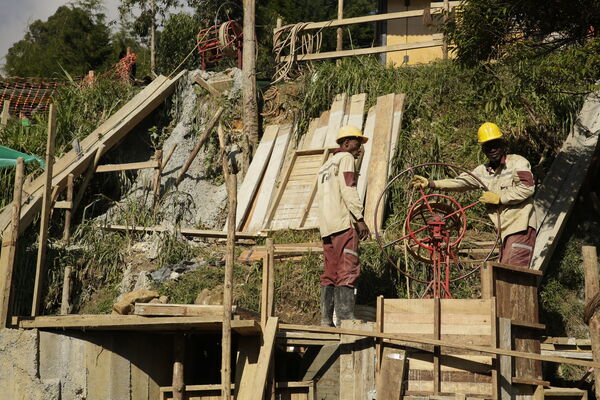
{"x": 488, "y": 131}
{"x": 350, "y": 131}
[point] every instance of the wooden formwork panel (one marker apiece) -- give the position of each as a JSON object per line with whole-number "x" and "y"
{"x": 461, "y": 321}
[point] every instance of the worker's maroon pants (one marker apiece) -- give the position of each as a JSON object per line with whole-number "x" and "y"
{"x": 340, "y": 251}
{"x": 517, "y": 248}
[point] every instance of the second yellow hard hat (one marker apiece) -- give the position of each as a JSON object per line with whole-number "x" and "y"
{"x": 488, "y": 131}
{"x": 350, "y": 131}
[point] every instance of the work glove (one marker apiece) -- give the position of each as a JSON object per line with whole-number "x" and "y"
{"x": 490, "y": 198}
{"x": 419, "y": 181}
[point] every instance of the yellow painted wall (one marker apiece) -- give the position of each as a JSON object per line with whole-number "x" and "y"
{"x": 410, "y": 30}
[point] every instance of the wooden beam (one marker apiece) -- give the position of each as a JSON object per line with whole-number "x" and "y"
{"x": 271, "y": 280}
{"x": 530, "y": 325}
{"x": 207, "y": 131}
{"x": 133, "y": 322}
{"x": 257, "y": 391}
{"x": 9, "y": 246}
{"x": 505, "y": 362}
{"x": 214, "y": 92}
{"x": 264, "y": 292}
{"x": 158, "y": 156}
{"x": 361, "y": 52}
{"x": 169, "y": 155}
{"x": 202, "y": 233}
{"x": 88, "y": 177}
{"x": 592, "y": 307}
{"x": 127, "y": 166}
{"x": 179, "y": 310}
{"x": 64, "y": 204}
{"x": 40, "y": 269}
{"x": 340, "y": 16}
{"x": 443, "y": 343}
{"x": 66, "y": 291}
{"x": 435, "y": 8}
{"x": 393, "y": 368}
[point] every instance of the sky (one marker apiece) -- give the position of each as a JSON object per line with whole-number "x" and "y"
{"x": 16, "y": 15}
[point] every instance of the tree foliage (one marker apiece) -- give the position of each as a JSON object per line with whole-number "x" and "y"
{"x": 481, "y": 29}
{"x": 177, "y": 39}
{"x": 72, "y": 39}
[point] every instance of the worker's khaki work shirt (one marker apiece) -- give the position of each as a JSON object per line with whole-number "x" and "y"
{"x": 513, "y": 181}
{"x": 337, "y": 196}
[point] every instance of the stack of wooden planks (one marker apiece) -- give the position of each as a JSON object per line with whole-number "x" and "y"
{"x": 280, "y": 186}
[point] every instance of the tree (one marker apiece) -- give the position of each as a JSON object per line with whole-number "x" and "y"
{"x": 176, "y": 40}
{"x": 72, "y": 39}
{"x": 482, "y": 29}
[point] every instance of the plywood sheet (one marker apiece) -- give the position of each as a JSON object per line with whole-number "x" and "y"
{"x": 363, "y": 176}
{"x": 378, "y": 165}
{"x": 335, "y": 119}
{"x": 320, "y": 134}
{"x": 267, "y": 187}
{"x": 356, "y": 111}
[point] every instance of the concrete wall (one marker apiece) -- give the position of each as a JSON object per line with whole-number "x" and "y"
{"x": 70, "y": 366}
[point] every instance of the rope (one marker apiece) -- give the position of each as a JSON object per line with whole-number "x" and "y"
{"x": 591, "y": 307}
{"x": 309, "y": 44}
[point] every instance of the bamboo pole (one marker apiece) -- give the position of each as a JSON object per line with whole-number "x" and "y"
{"x": 178, "y": 366}
{"x": 9, "y": 245}
{"x": 158, "y": 156}
{"x": 69, "y": 211}
{"x": 231, "y": 181}
{"x": 46, "y": 209}
{"x": 249, "y": 103}
{"x": 592, "y": 308}
{"x": 66, "y": 291}
{"x": 209, "y": 127}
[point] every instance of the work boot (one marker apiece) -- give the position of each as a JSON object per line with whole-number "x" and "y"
{"x": 344, "y": 302}
{"x": 327, "y": 305}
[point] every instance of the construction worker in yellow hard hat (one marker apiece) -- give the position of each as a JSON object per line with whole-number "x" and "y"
{"x": 341, "y": 224}
{"x": 510, "y": 186}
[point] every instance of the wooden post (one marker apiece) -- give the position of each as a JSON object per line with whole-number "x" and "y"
{"x": 209, "y": 127}
{"x": 158, "y": 156}
{"x": 505, "y": 342}
{"x": 153, "y": 37}
{"x": 69, "y": 211}
{"x": 178, "y": 360}
{"x": 9, "y": 245}
{"x": 5, "y": 113}
{"x": 592, "y": 307}
{"x": 231, "y": 181}
{"x": 340, "y": 38}
{"x": 46, "y": 208}
{"x": 169, "y": 155}
{"x": 264, "y": 292}
{"x": 271, "y": 280}
{"x": 249, "y": 104}
{"x": 66, "y": 291}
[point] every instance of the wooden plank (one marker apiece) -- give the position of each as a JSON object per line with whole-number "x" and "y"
{"x": 592, "y": 301}
{"x": 257, "y": 390}
{"x": 202, "y": 233}
{"x": 108, "y": 133}
{"x": 66, "y": 291}
{"x": 214, "y": 92}
{"x": 246, "y": 363}
{"x": 454, "y": 345}
{"x": 512, "y": 268}
{"x": 396, "y": 127}
{"x": 9, "y": 245}
{"x": 435, "y": 8}
{"x": 68, "y": 212}
{"x": 378, "y": 165}
{"x": 436, "y": 350}
{"x": 356, "y": 113}
{"x": 312, "y": 193}
{"x": 393, "y": 369}
{"x": 127, "y": 166}
{"x": 357, "y": 356}
{"x": 325, "y": 354}
{"x": 267, "y": 187}
{"x": 363, "y": 176}
{"x": 182, "y": 310}
{"x": 336, "y": 117}
{"x": 505, "y": 362}
{"x": 555, "y": 199}
{"x": 318, "y": 139}
{"x": 364, "y": 51}
{"x": 307, "y": 138}
{"x": 64, "y": 204}
{"x": 40, "y": 268}
{"x": 133, "y": 322}
{"x": 254, "y": 174}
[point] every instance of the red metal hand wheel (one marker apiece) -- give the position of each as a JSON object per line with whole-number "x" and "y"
{"x": 446, "y": 240}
